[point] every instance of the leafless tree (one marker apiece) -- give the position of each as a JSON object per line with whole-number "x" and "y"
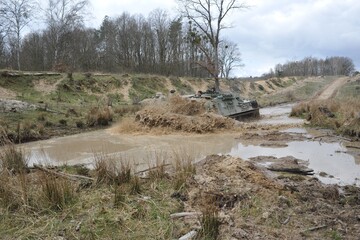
{"x": 160, "y": 23}
{"x": 15, "y": 15}
{"x": 229, "y": 58}
{"x": 62, "y": 17}
{"x": 207, "y": 18}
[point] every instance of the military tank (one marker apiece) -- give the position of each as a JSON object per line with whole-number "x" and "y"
{"x": 229, "y": 105}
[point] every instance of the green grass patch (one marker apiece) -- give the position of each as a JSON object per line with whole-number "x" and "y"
{"x": 180, "y": 86}
{"x": 349, "y": 90}
{"x": 146, "y": 87}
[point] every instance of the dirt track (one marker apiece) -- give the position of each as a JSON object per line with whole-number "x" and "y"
{"x": 331, "y": 90}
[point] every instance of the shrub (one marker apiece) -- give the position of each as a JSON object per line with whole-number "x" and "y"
{"x": 63, "y": 122}
{"x": 80, "y": 124}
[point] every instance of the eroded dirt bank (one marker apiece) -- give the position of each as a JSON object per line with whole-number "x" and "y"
{"x": 250, "y": 204}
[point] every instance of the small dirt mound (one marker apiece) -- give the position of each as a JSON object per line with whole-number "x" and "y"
{"x": 180, "y": 114}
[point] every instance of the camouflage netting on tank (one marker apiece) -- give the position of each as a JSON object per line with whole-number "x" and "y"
{"x": 182, "y": 115}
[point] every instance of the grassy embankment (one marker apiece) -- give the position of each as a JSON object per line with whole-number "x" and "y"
{"x": 341, "y": 113}
{"x": 291, "y": 89}
{"x": 109, "y": 202}
{"x": 68, "y": 104}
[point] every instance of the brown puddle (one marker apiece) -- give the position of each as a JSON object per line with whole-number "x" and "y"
{"x": 140, "y": 149}
{"x": 324, "y": 157}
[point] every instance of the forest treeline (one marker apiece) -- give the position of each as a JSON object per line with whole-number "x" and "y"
{"x": 155, "y": 44}
{"x": 310, "y": 66}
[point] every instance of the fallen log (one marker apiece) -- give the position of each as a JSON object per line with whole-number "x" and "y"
{"x": 72, "y": 177}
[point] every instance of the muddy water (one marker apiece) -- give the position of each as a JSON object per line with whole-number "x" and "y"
{"x": 278, "y": 115}
{"x": 329, "y": 158}
{"x": 143, "y": 150}
{"x": 140, "y": 149}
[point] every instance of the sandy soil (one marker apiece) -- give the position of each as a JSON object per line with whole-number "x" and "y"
{"x": 46, "y": 87}
{"x": 7, "y": 94}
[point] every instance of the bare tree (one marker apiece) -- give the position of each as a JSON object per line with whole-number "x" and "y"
{"x": 160, "y": 24}
{"x": 229, "y": 58}
{"x": 207, "y": 17}
{"x": 62, "y": 17}
{"x": 15, "y": 15}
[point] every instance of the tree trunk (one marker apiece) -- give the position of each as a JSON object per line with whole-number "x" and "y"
{"x": 216, "y": 68}
{"x": 18, "y": 50}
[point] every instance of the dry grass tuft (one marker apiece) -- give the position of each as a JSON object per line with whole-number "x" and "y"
{"x": 109, "y": 170}
{"x": 99, "y": 116}
{"x": 127, "y": 110}
{"x": 342, "y": 116}
{"x": 135, "y": 185}
{"x": 119, "y": 196}
{"x": 13, "y": 191}
{"x": 56, "y": 193}
{"x": 12, "y": 158}
{"x": 210, "y": 224}
{"x": 158, "y": 166}
{"x": 185, "y": 106}
{"x": 128, "y": 125}
{"x": 183, "y": 167}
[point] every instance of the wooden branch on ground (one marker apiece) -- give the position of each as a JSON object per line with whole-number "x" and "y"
{"x": 19, "y": 74}
{"x": 152, "y": 168}
{"x": 189, "y": 235}
{"x": 315, "y": 228}
{"x": 355, "y": 147}
{"x": 184, "y": 214}
{"x": 72, "y": 177}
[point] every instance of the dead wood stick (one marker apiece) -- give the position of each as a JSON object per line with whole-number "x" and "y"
{"x": 184, "y": 214}
{"x": 352, "y": 147}
{"x": 152, "y": 168}
{"x": 64, "y": 175}
{"x": 315, "y": 228}
{"x": 286, "y": 220}
{"x": 189, "y": 235}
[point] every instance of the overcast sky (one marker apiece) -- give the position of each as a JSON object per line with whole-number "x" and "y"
{"x": 271, "y": 31}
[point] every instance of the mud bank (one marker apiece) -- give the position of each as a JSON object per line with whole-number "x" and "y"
{"x": 250, "y": 205}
